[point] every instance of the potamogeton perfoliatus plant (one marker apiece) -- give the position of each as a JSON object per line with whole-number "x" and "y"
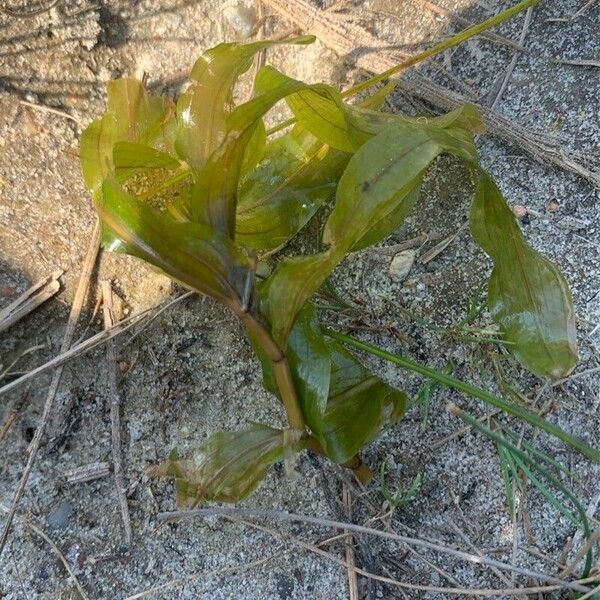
{"x": 197, "y": 188}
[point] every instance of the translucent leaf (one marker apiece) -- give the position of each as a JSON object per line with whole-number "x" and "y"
{"x": 191, "y": 253}
{"x": 228, "y": 466}
{"x": 214, "y": 195}
{"x": 310, "y": 364}
{"x": 255, "y": 149}
{"x": 203, "y": 108}
{"x": 131, "y": 115}
{"x": 343, "y": 404}
{"x": 359, "y": 405}
{"x": 130, "y": 158}
{"x": 378, "y": 188}
{"x": 285, "y": 191}
{"x": 528, "y": 296}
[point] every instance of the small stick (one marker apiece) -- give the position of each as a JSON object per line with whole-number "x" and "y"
{"x": 573, "y": 16}
{"x": 493, "y": 103}
{"x": 14, "y": 414}
{"x": 29, "y": 300}
{"x": 281, "y": 515}
{"x": 7, "y": 370}
{"x": 474, "y": 548}
{"x": 581, "y": 553}
{"x": 54, "y": 111}
{"x": 115, "y": 417}
{"x": 87, "y": 473}
{"x": 344, "y": 37}
{"x": 400, "y": 584}
{"x": 490, "y": 36}
{"x": 78, "y": 300}
{"x": 350, "y": 561}
{"x": 582, "y": 62}
{"x": 92, "y": 342}
{"x": 439, "y": 248}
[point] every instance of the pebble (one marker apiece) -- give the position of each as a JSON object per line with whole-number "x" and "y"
{"x": 59, "y": 517}
{"x": 241, "y": 17}
{"x": 402, "y": 264}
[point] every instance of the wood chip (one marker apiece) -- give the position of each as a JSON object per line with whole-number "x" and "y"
{"x": 87, "y": 473}
{"x": 29, "y": 300}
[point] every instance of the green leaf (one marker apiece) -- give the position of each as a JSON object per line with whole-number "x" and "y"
{"x": 528, "y": 296}
{"x": 278, "y": 198}
{"x": 202, "y": 110}
{"x": 389, "y": 220}
{"x": 255, "y": 148}
{"x": 290, "y": 287}
{"x": 343, "y": 404}
{"x": 132, "y": 115}
{"x": 228, "y": 466}
{"x": 131, "y": 158}
{"x": 309, "y": 360}
{"x": 359, "y": 405}
{"x": 214, "y": 195}
{"x": 378, "y": 188}
{"x": 191, "y": 253}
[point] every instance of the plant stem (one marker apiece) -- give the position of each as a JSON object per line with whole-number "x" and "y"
{"x": 455, "y": 40}
{"x": 511, "y": 409}
{"x": 355, "y": 464}
{"x": 281, "y": 370}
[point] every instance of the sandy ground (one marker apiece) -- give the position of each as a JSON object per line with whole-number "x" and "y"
{"x": 191, "y": 372}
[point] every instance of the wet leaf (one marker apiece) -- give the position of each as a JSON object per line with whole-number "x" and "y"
{"x": 359, "y": 405}
{"x": 191, "y": 253}
{"x": 132, "y": 115}
{"x": 255, "y": 148}
{"x": 528, "y": 296}
{"x": 202, "y": 110}
{"x": 214, "y": 195}
{"x": 310, "y": 363}
{"x": 343, "y": 404}
{"x": 228, "y": 466}
{"x": 278, "y": 198}
{"x": 130, "y": 158}
{"x": 377, "y": 189}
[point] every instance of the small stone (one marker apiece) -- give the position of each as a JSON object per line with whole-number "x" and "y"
{"x": 553, "y": 206}
{"x": 59, "y": 517}
{"x": 402, "y": 264}
{"x": 519, "y": 211}
{"x": 241, "y": 17}
{"x": 263, "y": 269}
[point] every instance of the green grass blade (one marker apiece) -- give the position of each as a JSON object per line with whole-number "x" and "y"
{"x": 455, "y": 40}
{"x": 538, "y": 453}
{"x": 509, "y": 408}
{"x": 523, "y": 459}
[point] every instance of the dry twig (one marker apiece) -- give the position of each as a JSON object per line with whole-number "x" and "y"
{"x": 110, "y": 321}
{"x": 352, "y": 579}
{"x": 348, "y": 39}
{"x": 78, "y": 300}
{"x": 411, "y": 541}
{"x": 13, "y": 415}
{"x": 29, "y": 300}
{"x": 54, "y": 111}
{"x": 40, "y": 532}
{"x": 96, "y": 340}
{"x": 495, "y": 99}
{"x": 87, "y": 473}
{"x": 492, "y": 37}
{"x": 422, "y": 588}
